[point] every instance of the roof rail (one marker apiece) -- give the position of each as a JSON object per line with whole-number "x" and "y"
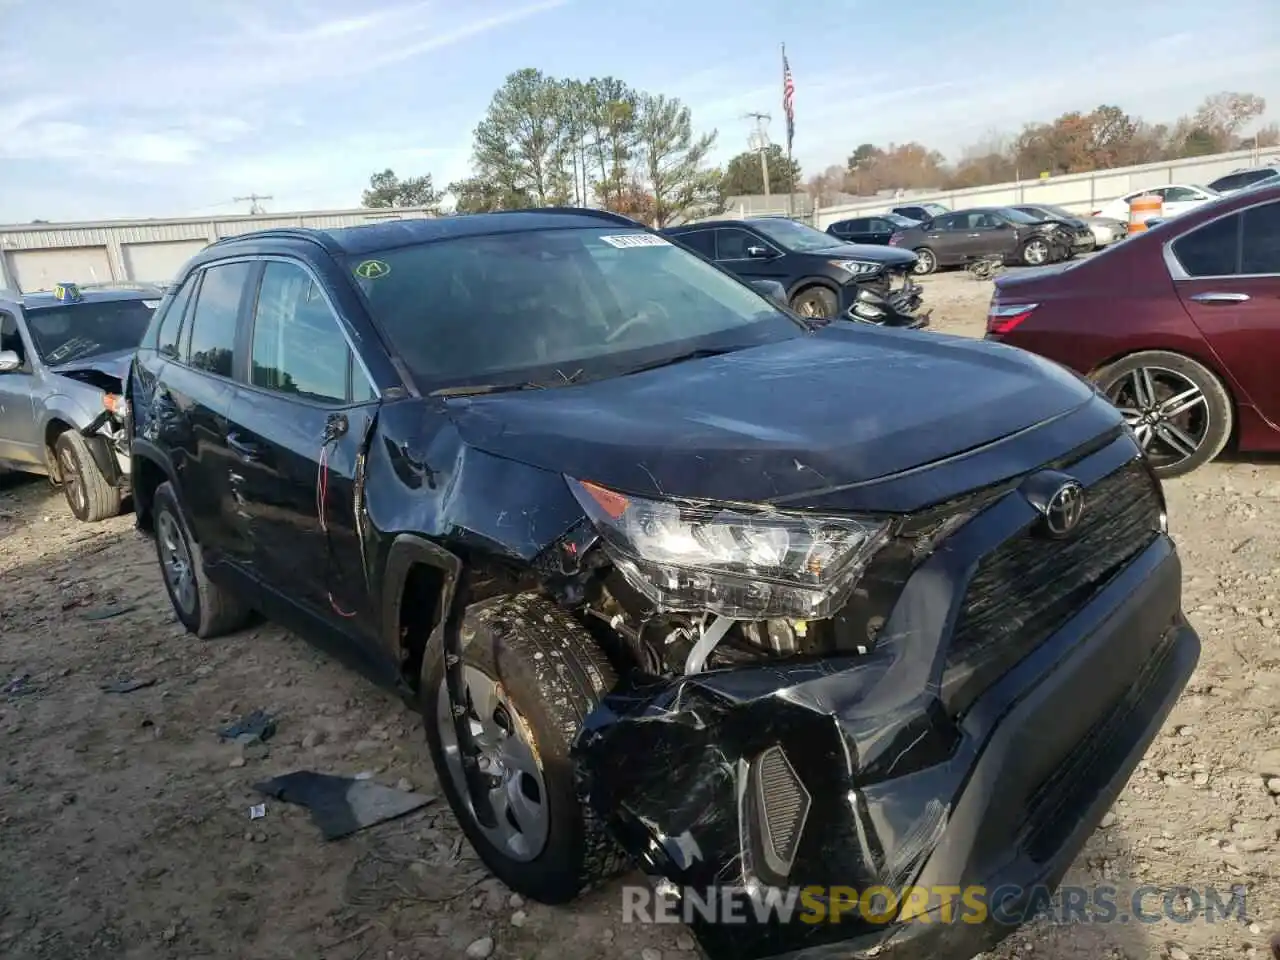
{"x": 609, "y": 215}
{"x": 318, "y": 237}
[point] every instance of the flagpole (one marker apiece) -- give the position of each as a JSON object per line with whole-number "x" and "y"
{"x": 791, "y": 186}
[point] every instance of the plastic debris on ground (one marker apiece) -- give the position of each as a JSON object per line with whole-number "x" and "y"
{"x": 340, "y": 806}
{"x": 126, "y": 685}
{"x": 256, "y": 726}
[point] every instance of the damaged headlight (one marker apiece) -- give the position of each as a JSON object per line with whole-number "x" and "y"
{"x": 745, "y": 565}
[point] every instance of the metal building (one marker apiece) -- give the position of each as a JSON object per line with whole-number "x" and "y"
{"x": 35, "y": 256}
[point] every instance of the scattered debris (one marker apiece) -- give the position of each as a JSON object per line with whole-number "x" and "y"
{"x": 257, "y": 726}
{"x": 18, "y": 685}
{"x": 257, "y": 811}
{"x": 340, "y": 806}
{"x": 127, "y": 686}
{"x": 479, "y": 949}
{"x": 107, "y": 612}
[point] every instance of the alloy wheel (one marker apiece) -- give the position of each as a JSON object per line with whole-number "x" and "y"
{"x": 175, "y": 562}
{"x": 508, "y": 761}
{"x": 924, "y": 263}
{"x": 1037, "y": 252}
{"x": 1167, "y": 411}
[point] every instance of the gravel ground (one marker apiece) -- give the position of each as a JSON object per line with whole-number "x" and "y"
{"x": 124, "y": 821}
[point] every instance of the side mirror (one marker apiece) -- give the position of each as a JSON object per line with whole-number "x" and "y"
{"x": 758, "y": 253}
{"x": 9, "y": 361}
{"x": 771, "y": 289}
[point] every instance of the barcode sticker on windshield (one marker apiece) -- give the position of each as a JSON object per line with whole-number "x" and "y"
{"x": 628, "y": 240}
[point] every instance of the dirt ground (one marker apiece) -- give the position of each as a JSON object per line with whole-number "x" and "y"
{"x": 125, "y": 827}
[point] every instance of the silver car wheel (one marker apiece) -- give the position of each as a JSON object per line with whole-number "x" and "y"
{"x": 175, "y": 562}
{"x": 1167, "y": 412}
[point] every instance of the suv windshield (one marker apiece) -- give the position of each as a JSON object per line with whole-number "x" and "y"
{"x": 79, "y": 331}
{"x": 556, "y": 306}
{"x": 794, "y": 236}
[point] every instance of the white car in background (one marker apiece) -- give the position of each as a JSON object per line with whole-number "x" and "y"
{"x": 1178, "y": 198}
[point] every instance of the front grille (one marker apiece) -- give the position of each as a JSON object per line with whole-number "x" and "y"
{"x": 1030, "y": 585}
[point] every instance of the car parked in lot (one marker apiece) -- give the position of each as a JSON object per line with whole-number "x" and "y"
{"x": 1178, "y": 326}
{"x": 955, "y": 239}
{"x": 920, "y": 212}
{"x": 1243, "y": 179}
{"x": 64, "y": 355}
{"x": 676, "y": 578}
{"x": 1105, "y": 231}
{"x": 1080, "y": 232}
{"x": 822, "y": 274}
{"x": 1177, "y": 198}
{"x": 876, "y": 229}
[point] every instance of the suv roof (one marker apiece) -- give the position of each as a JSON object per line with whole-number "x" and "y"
{"x": 402, "y": 233}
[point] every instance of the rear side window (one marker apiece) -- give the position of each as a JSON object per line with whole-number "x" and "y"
{"x": 213, "y": 321}
{"x": 701, "y": 242}
{"x": 1212, "y": 250}
{"x": 170, "y": 334}
{"x": 1260, "y": 241}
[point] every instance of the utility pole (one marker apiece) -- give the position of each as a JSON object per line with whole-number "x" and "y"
{"x": 759, "y": 141}
{"x": 252, "y": 199}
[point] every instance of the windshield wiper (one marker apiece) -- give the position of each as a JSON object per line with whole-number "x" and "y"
{"x": 700, "y": 354}
{"x": 476, "y": 389}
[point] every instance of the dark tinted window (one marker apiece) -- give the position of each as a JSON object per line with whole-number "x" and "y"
{"x": 1261, "y": 242}
{"x": 700, "y": 241}
{"x": 733, "y": 244}
{"x": 1212, "y": 250}
{"x": 171, "y": 323}
{"x": 213, "y": 321}
{"x": 298, "y": 347}
{"x": 1234, "y": 181}
{"x": 92, "y": 328}
{"x": 952, "y": 221}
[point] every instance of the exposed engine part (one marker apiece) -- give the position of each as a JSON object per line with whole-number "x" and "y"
{"x": 776, "y": 635}
{"x": 706, "y": 643}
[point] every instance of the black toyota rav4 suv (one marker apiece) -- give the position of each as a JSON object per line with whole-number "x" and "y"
{"x": 676, "y": 578}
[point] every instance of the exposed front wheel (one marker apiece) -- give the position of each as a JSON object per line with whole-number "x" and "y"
{"x": 1035, "y": 252}
{"x": 925, "y": 263}
{"x": 89, "y": 494}
{"x": 816, "y": 303}
{"x": 1178, "y": 408}
{"x": 205, "y": 608}
{"x": 531, "y": 674}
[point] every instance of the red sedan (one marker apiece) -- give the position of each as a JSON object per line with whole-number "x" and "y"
{"x": 1178, "y": 326}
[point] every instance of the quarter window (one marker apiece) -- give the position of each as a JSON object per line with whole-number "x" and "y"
{"x": 298, "y": 347}
{"x": 213, "y": 322}
{"x": 1212, "y": 250}
{"x": 1260, "y": 241}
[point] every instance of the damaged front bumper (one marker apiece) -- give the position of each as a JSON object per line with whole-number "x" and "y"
{"x": 905, "y": 767}
{"x": 107, "y": 436}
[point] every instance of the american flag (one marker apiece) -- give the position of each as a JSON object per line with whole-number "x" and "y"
{"x": 788, "y": 99}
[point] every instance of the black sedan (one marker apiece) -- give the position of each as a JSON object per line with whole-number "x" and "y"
{"x": 877, "y": 229}
{"x": 955, "y": 239}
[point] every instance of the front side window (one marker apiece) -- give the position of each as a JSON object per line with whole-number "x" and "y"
{"x": 10, "y": 337}
{"x": 171, "y": 324}
{"x": 1212, "y": 250}
{"x": 793, "y": 236}
{"x": 212, "y": 339}
{"x": 1180, "y": 194}
{"x": 298, "y": 347}
{"x": 91, "y": 328}
{"x": 734, "y": 244}
{"x": 549, "y": 305}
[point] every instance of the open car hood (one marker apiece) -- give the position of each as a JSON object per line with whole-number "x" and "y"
{"x": 835, "y": 408}
{"x": 111, "y": 364}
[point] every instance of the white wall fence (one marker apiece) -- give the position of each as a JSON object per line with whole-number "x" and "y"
{"x": 1078, "y": 192}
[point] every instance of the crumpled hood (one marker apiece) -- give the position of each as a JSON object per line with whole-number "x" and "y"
{"x": 836, "y": 407}
{"x": 112, "y": 364}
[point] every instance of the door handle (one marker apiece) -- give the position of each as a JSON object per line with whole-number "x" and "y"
{"x": 243, "y": 450}
{"x": 1220, "y": 297}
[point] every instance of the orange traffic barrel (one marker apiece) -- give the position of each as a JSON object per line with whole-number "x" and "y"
{"x": 1142, "y": 209}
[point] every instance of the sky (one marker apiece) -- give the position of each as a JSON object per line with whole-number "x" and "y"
{"x": 150, "y": 108}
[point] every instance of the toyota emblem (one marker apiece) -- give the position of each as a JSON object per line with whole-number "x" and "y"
{"x": 1065, "y": 508}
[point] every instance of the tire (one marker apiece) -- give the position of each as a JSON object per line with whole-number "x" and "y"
{"x": 89, "y": 494}
{"x": 926, "y": 262}
{"x": 552, "y": 676}
{"x": 1043, "y": 252}
{"x": 1207, "y": 421}
{"x": 205, "y": 608}
{"x": 816, "y": 302}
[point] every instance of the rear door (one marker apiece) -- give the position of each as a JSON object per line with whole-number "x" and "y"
{"x": 1227, "y": 273}
{"x": 192, "y": 394}
{"x": 297, "y": 424}
{"x": 20, "y": 442}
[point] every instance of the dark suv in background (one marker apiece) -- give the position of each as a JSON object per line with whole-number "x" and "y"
{"x": 820, "y": 273}
{"x": 676, "y": 578}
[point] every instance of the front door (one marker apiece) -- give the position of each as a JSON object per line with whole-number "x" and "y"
{"x": 1232, "y": 292}
{"x": 297, "y": 426}
{"x": 734, "y": 247}
{"x": 20, "y": 442}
